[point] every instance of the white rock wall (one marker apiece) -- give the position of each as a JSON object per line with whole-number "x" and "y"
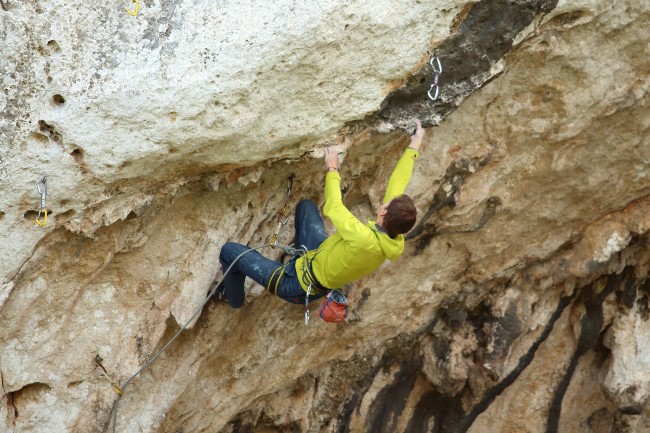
{"x": 182, "y": 88}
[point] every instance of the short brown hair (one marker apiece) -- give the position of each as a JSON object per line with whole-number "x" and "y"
{"x": 400, "y": 216}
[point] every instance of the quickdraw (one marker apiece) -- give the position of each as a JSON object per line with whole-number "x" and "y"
{"x": 437, "y": 70}
{"x": 103, "y": 373}
{"x": 41, "y": 218}
{"x": 307, "y": 305}
{"x": 137, "y": 8}
{"x": 283, "y": 219}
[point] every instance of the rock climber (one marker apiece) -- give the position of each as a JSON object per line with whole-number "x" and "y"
{"x": 355, "y": 250}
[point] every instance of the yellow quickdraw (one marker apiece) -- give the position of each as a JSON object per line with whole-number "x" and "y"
{"x": 283, "y": 215}
{"x": 116, "y": 388}
{"x": 103, "y": 373}
{"x": 137, "y": 9}
{"x": 42, "y": 222}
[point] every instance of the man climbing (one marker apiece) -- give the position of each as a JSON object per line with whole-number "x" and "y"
{"x": 355, "y": 250}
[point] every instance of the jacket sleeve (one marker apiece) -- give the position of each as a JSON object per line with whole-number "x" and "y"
{"x": 346, "y": 224}
{"x": 401, "y": 175}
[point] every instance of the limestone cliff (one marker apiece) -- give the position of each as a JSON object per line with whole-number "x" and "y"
{"x": 519, "y": 305}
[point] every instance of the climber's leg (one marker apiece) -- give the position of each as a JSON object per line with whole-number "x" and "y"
{"x": 310, "y": 230}
{"x": 252, "y": 265}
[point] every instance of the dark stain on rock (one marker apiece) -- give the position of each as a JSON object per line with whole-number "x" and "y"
{"x": 506, "y": 330}
{"x": 590, "y": 334}
{"x": 626, "y": 294}
{"x": 599, "y": 420}
{"x": 385, "y": 410}
{"x": 444, "y": 412}
{"x": 445, "y": 196}
{"x": 642, "y": 306}
{"x": 441, "y": 346}
{"x": 354, "y": 400}
{"x": 447, "y": 414}
{"x": 426, "y": 234}
{"x": 645, "y": 286}
{"x": 523, "y": 362}
{"x": 483, "y": 38}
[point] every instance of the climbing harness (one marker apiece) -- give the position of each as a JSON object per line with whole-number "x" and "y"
{"x": 103, "y": 373}
{"x": 283, "y": 218}
{"x": 41, "y": 218}
{"x": 276, "y": 276}
{"x": 137, "y": 8}
{"x": 437, "y": 70}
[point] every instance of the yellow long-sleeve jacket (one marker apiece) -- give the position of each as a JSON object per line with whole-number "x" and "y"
{"x": 356, "y": 249}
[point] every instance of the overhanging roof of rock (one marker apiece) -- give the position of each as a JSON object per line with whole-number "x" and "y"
{"x": 485, "y": 35}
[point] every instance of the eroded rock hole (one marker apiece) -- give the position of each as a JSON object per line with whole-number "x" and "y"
{"x": 74, "y": 384}
{"x": 65, "y": 215}
{"x": 39, "y": 137}
{"x": 2, "y": 214}
{"x": 568, "y": 19}
{"x": 78, "y": 155}
{"x": 58, "y": 99}
{"x": 30, "y": 393}
{"x": 31, "y": 215}
{"x": 53, "y": 46}
{"x": 44, "y": 127}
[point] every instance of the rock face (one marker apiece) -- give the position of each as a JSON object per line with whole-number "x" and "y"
{"x": 520, "y": 303}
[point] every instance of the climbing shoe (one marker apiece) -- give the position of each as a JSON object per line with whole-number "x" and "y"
{"x": 219, "y": 294}
{"x": 233, "y": 294}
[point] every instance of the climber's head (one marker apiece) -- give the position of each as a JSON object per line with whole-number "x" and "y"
{"x": 397, "y": 216}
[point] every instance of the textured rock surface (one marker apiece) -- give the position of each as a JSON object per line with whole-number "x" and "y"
{"x": 520, "y": 304}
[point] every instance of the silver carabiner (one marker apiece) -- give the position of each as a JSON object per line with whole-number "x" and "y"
{"x": 436, "y": 71}
{"x": 41, "y": 218}
{"x": 42, "y": 190}
{"x": 437, "y": 59}
{"x": 434, "y": 97}
{"x": 307, "y": 306}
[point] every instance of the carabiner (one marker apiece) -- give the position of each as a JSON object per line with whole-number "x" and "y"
{"x": 435, "y": 96}
{"x": 41, "y": 187}
{"x": 137, "y": 8}
{"x": 42, "y": 222}
{"x": 437, "y": 70}
{"x": 307, "y": 305}
{"x": 437, "y": 59}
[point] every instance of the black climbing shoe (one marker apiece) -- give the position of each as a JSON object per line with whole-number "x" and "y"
{"x": 219, "y": 294}
{"x": 233, "y": 293}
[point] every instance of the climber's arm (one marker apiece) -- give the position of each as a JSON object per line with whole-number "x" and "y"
{"x": 346, "y": 224}
{"x": 402, "y": 172}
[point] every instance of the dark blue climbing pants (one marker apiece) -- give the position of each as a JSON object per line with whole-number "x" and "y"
{"x": 310, "y": 232}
